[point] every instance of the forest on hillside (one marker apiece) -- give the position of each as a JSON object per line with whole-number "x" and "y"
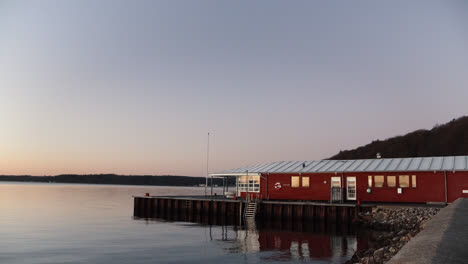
{"x": 442, "y": 140}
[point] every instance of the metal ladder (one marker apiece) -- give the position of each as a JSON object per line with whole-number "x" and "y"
{"x": 250, "y": 210}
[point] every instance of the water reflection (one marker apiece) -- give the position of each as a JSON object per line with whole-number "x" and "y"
{"x": 279, "y": 240}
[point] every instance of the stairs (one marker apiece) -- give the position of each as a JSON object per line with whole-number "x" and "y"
{"x": 250, "y": 210}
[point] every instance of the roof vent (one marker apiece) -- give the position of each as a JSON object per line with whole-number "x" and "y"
{"x": 378, "y": 155}
{"x": 303, "y": 165}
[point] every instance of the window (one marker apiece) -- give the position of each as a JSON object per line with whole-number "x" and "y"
{"x": 404, "y": 181}
{"x": 379, "y": 180}
{"x": 294, "y": 181}
{"x": 413, "y": 181}
{"x": 369, "y": 181}
{"x": 335, "y": 182}
{"x": 305, "y": 181}
{"x": 242, "y": 183}
{"x": 249, "y": 183}
{"x": 391, "y": 181}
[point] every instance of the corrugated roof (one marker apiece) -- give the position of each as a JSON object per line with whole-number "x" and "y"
{"x": 448, "y": 163}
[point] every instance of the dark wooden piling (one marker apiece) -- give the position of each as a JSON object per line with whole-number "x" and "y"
{"x": 149, "y": 207}
{"x": 206, "y": 207}
{"x": 288, "y": 211}
{"x": 322, "y": 213}
{"x": 154, "y": 213}
{"x": 229, "y": 210}
{"x": 223, "y": 210}
{"x": 331, "y": 212}
{"x": 135, "y": 206}
{"x": 142, "y": 206}
{"x": 298, "y": 212}
{"x": 278, "y": 211}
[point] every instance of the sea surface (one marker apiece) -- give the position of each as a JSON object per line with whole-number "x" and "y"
{"x": 80, "y": 223}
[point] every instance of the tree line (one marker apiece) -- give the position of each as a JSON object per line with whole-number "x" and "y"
{"x": 450, "y": 139}
{"x": 164, "y": 180}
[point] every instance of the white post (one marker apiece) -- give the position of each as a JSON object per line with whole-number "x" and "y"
{"x": 248, "y": 185}
{"x": 211, "y": 185}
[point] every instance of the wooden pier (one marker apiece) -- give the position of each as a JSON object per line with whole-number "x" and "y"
{"x": 232, "y": 211}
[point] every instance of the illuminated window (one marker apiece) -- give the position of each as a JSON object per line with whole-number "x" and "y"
{"x": 335, "y": 182}
{"x": 242, "y": 184}
{"x": 413, "y": 181}
{"x": 369, "y": 181}
{"x": 249, "y": 183}
{"x": 294, "y": 181}
{"x": 391, "y": 181}
{"x": 305, "y": 181}
{"x": 378, "y": 181}
{"x": 404, "y": 181}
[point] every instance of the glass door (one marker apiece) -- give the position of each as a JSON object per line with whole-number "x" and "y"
{"x": 351, "y": 188}
{"x": 335, "y": 195}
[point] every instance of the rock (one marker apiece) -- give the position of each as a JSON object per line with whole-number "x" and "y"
{"x": 364, "y": 260}
{"x": 404, "y": 239}
{"x": 401, "y": 225}
{"x": 401, "y": 233}
{"x": 370, "y": 251}
{"x": 423, "y": 224}
{"x": 378, "y": 254}
{"x": 380, "y": 218}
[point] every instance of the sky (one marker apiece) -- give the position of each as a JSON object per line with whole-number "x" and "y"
{"x": 134, "y": 87}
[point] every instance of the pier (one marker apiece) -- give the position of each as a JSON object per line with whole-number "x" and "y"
{"x": 234, "y": 210}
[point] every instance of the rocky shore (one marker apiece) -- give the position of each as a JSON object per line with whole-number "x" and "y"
{"x": 399, "y": 225}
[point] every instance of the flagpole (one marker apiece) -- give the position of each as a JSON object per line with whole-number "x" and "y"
{"x": 207, "y": 160}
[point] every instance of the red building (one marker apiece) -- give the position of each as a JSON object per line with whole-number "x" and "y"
{"x": 421, "y": 180}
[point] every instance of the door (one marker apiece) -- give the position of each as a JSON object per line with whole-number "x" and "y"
{"x": 336, "y": 189}
{"x": 351, "y": 188}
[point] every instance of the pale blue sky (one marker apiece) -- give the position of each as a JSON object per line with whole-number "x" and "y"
{"x": 133, "y": 87}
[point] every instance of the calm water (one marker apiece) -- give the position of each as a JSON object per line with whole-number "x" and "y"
{"x": 74, "y": 223}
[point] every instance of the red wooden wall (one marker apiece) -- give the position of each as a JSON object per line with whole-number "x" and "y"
{"x": 430, "y": 187}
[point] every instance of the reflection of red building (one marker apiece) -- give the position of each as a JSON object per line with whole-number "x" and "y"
{"x": 428, "y": 179}
{"x": 285, "y": 240}
{"x": 336, "y": 243}
{"x": 295, "y": 245}
{"x": 316, "y": 246}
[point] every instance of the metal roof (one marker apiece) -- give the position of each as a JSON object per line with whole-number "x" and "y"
{"x": 447, "y": 163}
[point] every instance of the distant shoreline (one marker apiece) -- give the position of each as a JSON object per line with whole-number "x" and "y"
{"x": 100, "y": 184}
{"x": 137, "y": 180}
